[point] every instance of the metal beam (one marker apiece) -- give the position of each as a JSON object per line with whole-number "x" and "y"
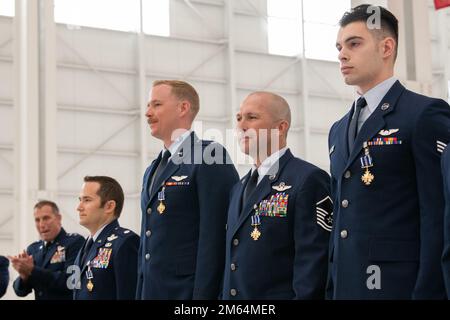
{"x": 281, "y": 73}
{"x": 205, "y": 61}
{"x": 95, "y": 70}
{"x": 97, "y": 148}
{"x": 4, "y": 43}
{"x": 99, "y": 109}
{"x": 26, "y": 101}
{"x": 143, "y": 92}
{"x": 210, "y": 27}
{"x": 232, "y": 77}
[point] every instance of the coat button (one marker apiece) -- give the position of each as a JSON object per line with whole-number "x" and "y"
{"x": 236, "y": 242}
{"x": 233, "y": 292}
{"x": 148, "y": 233}
{"x": 344, "y": 234}
{"x": 347, "y": 175}
{"x": 233, "y": 267}
{"x": 149, "y": 211}
{"x": 147, "y": 256}
{"x": 344, "y": 203}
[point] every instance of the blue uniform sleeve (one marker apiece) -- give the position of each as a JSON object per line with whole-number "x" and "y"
{"x": 312, "y": 226}
{"x": 57, "y": 280}
{"x": 214, "y": 183}
{"x": 432, "y": 127}
{"x": 125, "y": 268}
{"x": 446, "y": 253}
{"x": 23, "y": 288}
{"x": 4, "y": 275}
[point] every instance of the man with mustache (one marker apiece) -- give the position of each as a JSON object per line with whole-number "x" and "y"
{"x": 385, "y": 155}
{"x": 184, "y": 202}
{"x": 280, "y": 214}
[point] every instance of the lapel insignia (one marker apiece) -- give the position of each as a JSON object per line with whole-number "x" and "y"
{"x": 386, "y": 133}
{"x": 126, "y": 231}
{"x": 41, "y": 247}
{"x": 441, "y": 146}
{"x": 112, "y": 237}
{"x": 281, "y": 187}
{"x": 107, "y": 245}
{"x": 272, "y": 177}
{"x": 332, "y": 150}
{"x": 179, "y": 178}
{"x": 385, "y": 106}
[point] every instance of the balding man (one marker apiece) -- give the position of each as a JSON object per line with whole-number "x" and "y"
{"x": 184, "y": 202}
{"x": 280, "y": 215}
{"x": 43, "y": 266}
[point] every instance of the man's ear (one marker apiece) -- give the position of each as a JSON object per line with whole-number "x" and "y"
{"x": 110, "y": 206}
{"x": 389, "y": 46}
{"x": 184, "y": 107}
{"x": 283, "y": 127}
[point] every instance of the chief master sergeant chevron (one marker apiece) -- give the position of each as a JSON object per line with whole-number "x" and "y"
{"x": 385, "y": 154}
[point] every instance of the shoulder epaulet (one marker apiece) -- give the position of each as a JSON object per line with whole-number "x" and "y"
{"x": 72, "y": 234}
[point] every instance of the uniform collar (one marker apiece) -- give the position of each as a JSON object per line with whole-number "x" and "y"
{"x": 377, "y": 93}
{"x": 270, "y": 165}
{"x": 61, "y": 233}
{"x": 178, "y": 142}
{"x": 94, "y": 238}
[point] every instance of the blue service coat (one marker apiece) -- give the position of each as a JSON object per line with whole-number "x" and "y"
{"x": 387, "y": 237}
{"x": 181, "y": 254}
{"x": 4, "y": 275}
{"x": 49, "y": 276}
{"x": 289, "y": 259}
{"x": 112, "y": 262}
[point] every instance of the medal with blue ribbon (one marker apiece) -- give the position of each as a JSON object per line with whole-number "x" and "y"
{"x": 89, "y": 276}
{"x": 161, "y": 197}
{"x": 366, "y": 163}
{"x": 256, "y": 221}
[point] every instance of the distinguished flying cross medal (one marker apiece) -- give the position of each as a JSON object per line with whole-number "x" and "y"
{"x": 89, "y": 276}
{"x": 161, "y": 197}
{"x": 256, "y": 221}
{"x": 366, "y": 163}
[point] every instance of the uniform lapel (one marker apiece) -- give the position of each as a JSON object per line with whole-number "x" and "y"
{"x": 180, "y": 156}
{"x": 39, "y": 256}
{"x": 376, "y": 121}
{"x": 263, "y": 189}
{"x": 235, "y": 206}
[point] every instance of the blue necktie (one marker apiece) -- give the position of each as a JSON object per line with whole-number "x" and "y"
{"x": 353, "y": 127}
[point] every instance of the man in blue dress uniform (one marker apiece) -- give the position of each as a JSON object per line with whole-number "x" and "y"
{"x": 4, "y": 275}
{"x": 385, "y": 154}
{"x": 280, "y": 215}
{"x": 184, "y": 202}
{"x": 107, "y": 263}
{"x": 446, "y": 255}
{"x": 43, "y": 266}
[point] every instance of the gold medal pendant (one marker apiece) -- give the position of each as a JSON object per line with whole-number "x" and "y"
{"x": 161, "y": 208}
{"x": 90, "y": 285}
{"x": 367, "y": 177}
{"x": 255, "y": 234}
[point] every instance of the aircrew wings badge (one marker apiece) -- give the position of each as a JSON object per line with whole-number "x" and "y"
{"x": 179, "y": 178}
{"x": 281, "y": 187}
